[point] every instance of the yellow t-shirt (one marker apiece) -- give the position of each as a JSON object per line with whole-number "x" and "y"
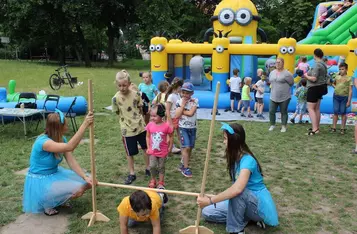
{"x": 162, "y": 98}
{"x": 124, "y": 209}
{"x": 128, "y": 108}
{"x": 343, "y": 84}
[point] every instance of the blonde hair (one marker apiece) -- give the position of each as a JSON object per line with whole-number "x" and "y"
{"x": 54, "y": 128}
{"x": 260, "y": 71}
{"x": 247, "y": 80}
{"x": 122, "y": 75}
{"x": 149, "y": 74}
{"x": 134, "y": 87}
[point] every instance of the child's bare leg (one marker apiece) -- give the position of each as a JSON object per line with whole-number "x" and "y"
{"x": 186, "y": 156}
{"x": 153, "y": 167}
{"x": 232, "y": 105}
{"x": 239, "y": 104}
{"x": 130, "y": 164}
{"x": 294, "y": 115}
{"x": 343, "y": 121}
{"x": 248, "y": 110}
{"x": 242, "y": 110}
{"x": 261, "y": 107}
{"x": 334, "y": 121}
{"x": 146, "y": 159}
{"x": 300, "y": 117}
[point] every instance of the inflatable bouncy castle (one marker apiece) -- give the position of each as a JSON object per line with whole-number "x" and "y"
{"x": 234, "y": 45}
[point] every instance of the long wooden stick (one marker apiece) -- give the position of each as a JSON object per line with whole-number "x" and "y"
{"x": 95, "y": 215}
{"x": 149, "y": 189}
{"x": 91, "y": 147}
{"x": 208, "y": 153}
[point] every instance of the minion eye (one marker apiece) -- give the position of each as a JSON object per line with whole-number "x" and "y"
{"x": 283, "y": 50}
{"x": 291, "y": 50}
{"x": 244, "y": 17}
{"x": 226, "y": 16}
{"x": 159, "y": 47}
{"x": 152, "y": 48}
{"x": 356, "y": 52}
{"x": 220, "y": 49}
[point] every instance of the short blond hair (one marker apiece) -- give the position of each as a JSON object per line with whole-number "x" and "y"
{"x": 122, "y": 75}
{"x": 247, "y": 79}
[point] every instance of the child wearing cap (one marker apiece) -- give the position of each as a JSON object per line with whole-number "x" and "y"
{"x": 187, "y": 113}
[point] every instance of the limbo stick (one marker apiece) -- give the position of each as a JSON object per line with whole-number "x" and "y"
{"x": 95, "y": 215}
{"x": 175, "y": 192}
{"x": 196, "y": 229}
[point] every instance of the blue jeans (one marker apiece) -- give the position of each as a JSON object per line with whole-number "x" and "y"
{"x": 236, "y": 213}
{"x": 188, "y": 137}
{"x": 339, "y": 104}
{"x": 216, "y": 215}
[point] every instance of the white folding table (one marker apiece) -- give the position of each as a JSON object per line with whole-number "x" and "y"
{"x": 21, "y": 114}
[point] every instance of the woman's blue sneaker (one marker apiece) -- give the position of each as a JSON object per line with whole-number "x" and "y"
{"x": 186, "y": 172}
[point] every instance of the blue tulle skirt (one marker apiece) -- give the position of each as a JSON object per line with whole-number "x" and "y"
{"x": 49, "y": 191}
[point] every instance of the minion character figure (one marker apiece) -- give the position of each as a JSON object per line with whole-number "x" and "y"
{"x": 159, "y": 58}
{"x": 239, "y": 19}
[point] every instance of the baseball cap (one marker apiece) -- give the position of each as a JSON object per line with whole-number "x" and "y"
{"x": 187, "y": 86}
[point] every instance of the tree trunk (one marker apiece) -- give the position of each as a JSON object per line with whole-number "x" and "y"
{"x": 84, "y": 44}
{"x": 62, "y": 48}
{"x": 111, "y": 34}
{"x": 78, "y": 53}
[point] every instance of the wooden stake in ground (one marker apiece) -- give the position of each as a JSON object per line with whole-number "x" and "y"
{"x": 201, "y": 229}
{"x": 95, "y": 215}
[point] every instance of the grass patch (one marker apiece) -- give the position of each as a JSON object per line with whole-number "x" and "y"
{"x": 312, "y": 179}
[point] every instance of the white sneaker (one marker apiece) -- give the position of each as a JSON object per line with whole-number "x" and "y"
{"x": 271, "y": 128}
{"x": 283, "y": 129}
{"x": 175, "y": 150}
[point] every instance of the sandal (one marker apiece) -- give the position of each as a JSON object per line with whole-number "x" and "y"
{"x": 161, "y": 185}
{"x": 152, "y": 183}
{"x": 312, "y": 133}
{"x": 51, "y": 212}
{"x": 342, "y": 131}
{"x": 332, "y": 129}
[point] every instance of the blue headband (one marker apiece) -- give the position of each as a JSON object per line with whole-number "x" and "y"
{"x": 61, "y": 115}
{"x": 228, "y": 128}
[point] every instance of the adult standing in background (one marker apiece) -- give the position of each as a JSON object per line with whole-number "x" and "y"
{"x": 281, "y": 81}
{"x": 316, "y": 89}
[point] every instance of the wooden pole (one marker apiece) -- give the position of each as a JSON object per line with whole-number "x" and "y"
{"x": 200, "y": 229}
{"x": 95, "y": 215}
{"x": 149, "y": 189}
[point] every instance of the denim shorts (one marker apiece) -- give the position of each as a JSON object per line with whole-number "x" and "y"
{"x": 339, "y": 104}
{"x": 246, "y": 103}
{"x": 188, "y": 137}
{"x": 301, "y": 108}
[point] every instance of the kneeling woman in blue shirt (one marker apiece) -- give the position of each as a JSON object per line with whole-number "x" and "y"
{"x": 48, "y": 185}
{"x": 247, "y": 199}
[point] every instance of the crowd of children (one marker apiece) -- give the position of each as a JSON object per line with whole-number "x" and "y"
{"x": 150, "y": 119}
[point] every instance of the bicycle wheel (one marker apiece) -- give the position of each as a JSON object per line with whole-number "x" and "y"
{"x": 69, "y": 77}
{"x": 55, "y": 82}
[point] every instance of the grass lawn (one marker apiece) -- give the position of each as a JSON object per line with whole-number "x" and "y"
{"x": 312, "y": 179}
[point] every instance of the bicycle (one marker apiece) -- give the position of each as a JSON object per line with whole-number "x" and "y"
{"x": 57, "y": 79}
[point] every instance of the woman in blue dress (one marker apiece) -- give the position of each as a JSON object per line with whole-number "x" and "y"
{"x": 247, "y": 199}
{"x": 48, "y": 185}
